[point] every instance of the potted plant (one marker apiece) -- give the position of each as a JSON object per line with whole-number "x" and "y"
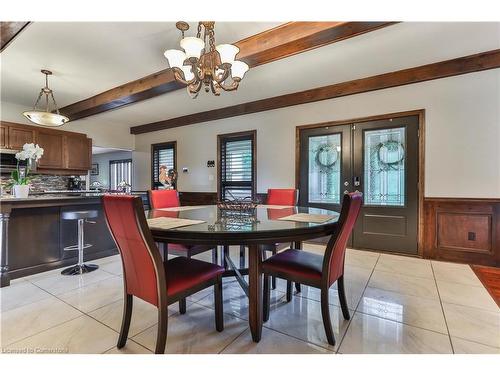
{"x": 20, "y": 178}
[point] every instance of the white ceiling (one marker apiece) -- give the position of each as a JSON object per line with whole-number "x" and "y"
{"x": 88, "y": 58}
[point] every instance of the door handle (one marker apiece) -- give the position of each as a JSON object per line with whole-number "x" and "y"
{"x": 356, "y": 181}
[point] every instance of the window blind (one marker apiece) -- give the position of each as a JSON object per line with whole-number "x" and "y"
{"x": 120, "y": 170}
{"x": 237, "y": 167}
{"x": 163, "y": 155}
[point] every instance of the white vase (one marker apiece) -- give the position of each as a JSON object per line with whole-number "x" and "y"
{"x": 21, "y": 191}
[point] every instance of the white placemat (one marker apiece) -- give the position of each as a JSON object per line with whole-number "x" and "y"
{"x": 171, "y": 223}
{"x": 181, "y": 208}
{"x": 308, "y": 218}
{"x": 274, "y": 206}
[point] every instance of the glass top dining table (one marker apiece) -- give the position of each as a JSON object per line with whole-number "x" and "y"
{"x": 264, "y": 226}
{"x": 220, "y": 227}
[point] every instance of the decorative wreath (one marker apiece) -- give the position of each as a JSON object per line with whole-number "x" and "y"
{"x": 390, "y": 154}
{"x": 325, "y": 149}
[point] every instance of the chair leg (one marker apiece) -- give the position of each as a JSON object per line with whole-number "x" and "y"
{"x": 298, "y": 246}
{"x": 214, "y": 256}
{"x": 161, "y": 336}
{"x": 342, "y": 298}
{"x": 325, "y": 312}
{"x": 182, "y": 306}
{"x": 219, "y": 305}
{"x": 127, "y": 315}
{"x": 267, "y": 299}
{"x": 273, "y": 285}
{"x": 225, "y": 253}
{"x": 242, "y": 256}
{"x": 288, "y": 291}
{"x": 297, "y": 287}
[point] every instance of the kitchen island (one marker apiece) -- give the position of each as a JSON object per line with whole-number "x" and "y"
{"x": 33, "y": 236}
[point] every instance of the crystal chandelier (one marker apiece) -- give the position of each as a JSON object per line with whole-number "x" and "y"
{"x": 201, "y": 63}
{"x": 47, "y": 117}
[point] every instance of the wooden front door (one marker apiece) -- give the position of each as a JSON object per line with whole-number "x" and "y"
{"x": 378, "y": 158}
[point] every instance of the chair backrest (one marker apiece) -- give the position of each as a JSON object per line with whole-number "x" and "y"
{"x": 163, "y": 198}
{"x": 143, "y": 270}
{"x": 333, "y": 262}
{"x": 283, "y": 197}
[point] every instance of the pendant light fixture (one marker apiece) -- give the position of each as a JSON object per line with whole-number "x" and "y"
{"x": 47, "y": 117}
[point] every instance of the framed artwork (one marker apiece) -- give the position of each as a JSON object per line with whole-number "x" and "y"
{"x": 95, "y": 170}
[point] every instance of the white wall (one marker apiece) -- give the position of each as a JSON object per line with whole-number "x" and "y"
{"x": 103, "y": 161}
{"x": 462, "y": 123}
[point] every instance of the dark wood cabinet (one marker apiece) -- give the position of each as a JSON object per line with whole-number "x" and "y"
{"x": 64, "y": 152}
{"x": 52, "y": 144}
{"x": 19, "y": 135}
{"x": 78, "y": 152}
{"x": 4, "y": 136}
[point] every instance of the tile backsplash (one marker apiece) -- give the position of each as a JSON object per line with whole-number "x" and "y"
{"x": 39, "y": 183}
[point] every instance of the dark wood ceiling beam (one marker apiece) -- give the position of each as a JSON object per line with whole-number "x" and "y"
{"x": 277, "y": 43}
{"x": 297, "y": 37}
{"x": 9, "y": 31}
{"x": 448, "y": 68}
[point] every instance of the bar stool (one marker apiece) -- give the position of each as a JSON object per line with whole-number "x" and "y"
{"x": 82, "y": 217}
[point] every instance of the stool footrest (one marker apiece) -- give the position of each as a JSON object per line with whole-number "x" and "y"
{"x": 75, "y": 247}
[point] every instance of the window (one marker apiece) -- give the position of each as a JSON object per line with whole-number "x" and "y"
{"x": 163, "y": 155}
{"x": 120, "y": 170}
{"x": 237, "y": 165}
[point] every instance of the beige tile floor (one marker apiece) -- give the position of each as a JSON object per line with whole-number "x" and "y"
{"x": 398, "y": 305}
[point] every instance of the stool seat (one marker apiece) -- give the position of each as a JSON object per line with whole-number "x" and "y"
{"x": 76, "y": 215}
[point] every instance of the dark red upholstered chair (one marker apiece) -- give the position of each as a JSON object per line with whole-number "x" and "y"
{"x": 147, "y": 276}
{"x": 278, "y": 197}
{"x": 316, "y": 270}
{"x": 168, "y": 199}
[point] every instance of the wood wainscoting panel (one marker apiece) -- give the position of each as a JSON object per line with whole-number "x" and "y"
{"x": 462, "y": 230}
{"x": 199, "y": 198}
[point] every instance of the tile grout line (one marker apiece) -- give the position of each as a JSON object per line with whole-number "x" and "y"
{"x": 298, "y": 338}
{"x": 232, "y": 341}
{"x": 273, "y": 329}
{"x": 357, "y": 305}
{"x": 68, "y": 304}
{"x": 442, "y": 309}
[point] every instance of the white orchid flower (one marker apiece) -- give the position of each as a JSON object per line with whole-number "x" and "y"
{"x": 22, "y": 155}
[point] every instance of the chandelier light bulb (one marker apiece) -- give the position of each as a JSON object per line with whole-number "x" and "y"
{"x": 238, "y": 69}
{"x": 188, "y": 74}
{"x": 192, "y": 46}
{"x": 175, "y": 58}
{"x": 227, "y": 53}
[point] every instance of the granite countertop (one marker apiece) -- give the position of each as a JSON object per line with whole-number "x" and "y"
{"x": 53, "y": 197}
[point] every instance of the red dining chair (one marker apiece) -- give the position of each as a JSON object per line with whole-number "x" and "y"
{"x": 147, "y": 276}
{"x": 316, "y": 270}
{"x": 278, "y": 197}
{"x": 168, "y": 199}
